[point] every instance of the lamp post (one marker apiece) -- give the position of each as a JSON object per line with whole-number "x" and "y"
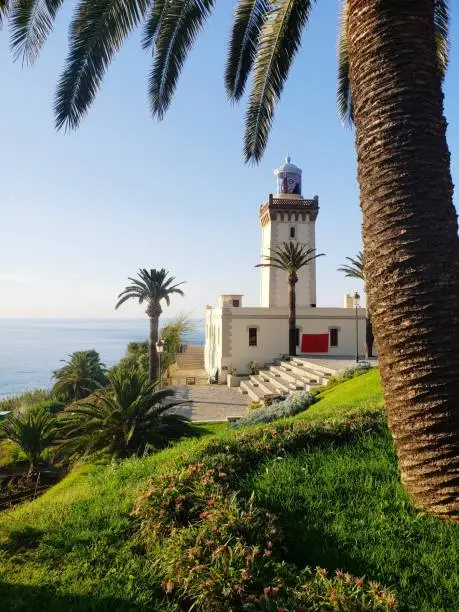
{"x": 356, "y": 304}
{"x": 159, "y": 350}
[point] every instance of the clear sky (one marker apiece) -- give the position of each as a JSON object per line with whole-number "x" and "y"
{"x": 81, "y": 212}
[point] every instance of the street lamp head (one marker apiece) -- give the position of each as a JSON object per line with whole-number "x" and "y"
{"x": 356, "y": 299}
{"x": 160, "y": 346}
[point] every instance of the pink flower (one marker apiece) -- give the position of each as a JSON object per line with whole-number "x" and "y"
{"x": 268, "y": 553}
{"x": 203, "y": 515}
{"x": 269, "y": 545}
{"x": 211, "y": 502}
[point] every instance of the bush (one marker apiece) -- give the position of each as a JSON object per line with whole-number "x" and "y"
{"x": 19, "y": 403}
{"x": 254, "y": 405}
{"x": 216, "y": 549}
{"x": 293, "y": 404}
{"x": 32, "y": 432}
{"x": 358, "y": 370}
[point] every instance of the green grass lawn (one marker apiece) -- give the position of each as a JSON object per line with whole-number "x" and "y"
{"x": 340, "y": 507}
{"x": 6, "y": 451}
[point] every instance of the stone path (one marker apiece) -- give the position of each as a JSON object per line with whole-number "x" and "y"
{"x": 210, "y": 402}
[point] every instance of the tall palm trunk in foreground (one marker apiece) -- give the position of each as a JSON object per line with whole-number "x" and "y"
{"x": 410, "y": 238}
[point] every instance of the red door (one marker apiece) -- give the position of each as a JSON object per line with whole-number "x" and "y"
{"x": 314, "y": 343}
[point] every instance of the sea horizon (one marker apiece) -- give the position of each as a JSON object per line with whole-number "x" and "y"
{"x": 31, "y": 348}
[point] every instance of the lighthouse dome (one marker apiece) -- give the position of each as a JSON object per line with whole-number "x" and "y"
{"x": 288, "y": 178}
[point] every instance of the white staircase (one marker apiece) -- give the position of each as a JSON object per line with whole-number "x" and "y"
{"x": 284, "y": 377}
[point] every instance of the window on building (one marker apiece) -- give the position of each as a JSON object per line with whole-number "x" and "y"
{"x": 253, "y": 333}
{"x": 236, "y": 303}
{"x": 297, "y": 336}
{"x": 334, "y": 336}
{"x": 292, "y": 232}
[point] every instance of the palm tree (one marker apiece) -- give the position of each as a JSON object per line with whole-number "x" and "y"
{"x": 81, "y": 374}
{"x": 394, "y": 55}
{"x": 290, "y": 257}
{"x": 122, "y": 419}
{"x": 151, "y": 287}
{"x": 355, "y": 270}
{"x": 33, "y": 432}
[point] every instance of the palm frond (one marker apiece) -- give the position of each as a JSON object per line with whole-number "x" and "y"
{"x": 249, "y": 17}
{"x": 4, "y": 10}
{"x": 344, "y": 94}
{"x": 441, "y": 22}
{"x": 179, "y": 26}
{"x": 157, "y": 11}
{"x": 289, "y": 256}
{"x": 98, "y": 30}
{"x": 31, "y": 22}
{"x": 279, "y": 41}
{"x": 355, "y": 267}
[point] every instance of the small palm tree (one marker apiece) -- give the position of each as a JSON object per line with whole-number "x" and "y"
{"x": 290, "y": 257}
{"x": 33, "y": 432}
{"x": 151, "y": 287}
{"x": 81, "y": 374}
{"x": 355, "y": 270}
{"x": 122, "y": 419}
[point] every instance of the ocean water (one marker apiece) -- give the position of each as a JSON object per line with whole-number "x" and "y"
{"x": 30, "y": 349}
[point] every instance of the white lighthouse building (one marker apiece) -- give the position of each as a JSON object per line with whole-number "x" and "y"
{"x": 288, "y": 216}
{"x": 236, "y": 335}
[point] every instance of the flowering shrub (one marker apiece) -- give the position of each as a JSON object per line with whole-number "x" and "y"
{"x": 293, "y": 404}
{"x": 314, "y": 590}
{"x": 215, "y": 549}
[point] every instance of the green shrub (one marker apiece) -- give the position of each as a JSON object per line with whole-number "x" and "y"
{"x": 128, "y": 417}
{"x": 255, "y": 405}
{"x": 293, "y": 404}
{"x": 215, "y": 549}
{"x": 32, "y": 432}
{"x": 254, "y": 368}
{"x": 18, "y": 403}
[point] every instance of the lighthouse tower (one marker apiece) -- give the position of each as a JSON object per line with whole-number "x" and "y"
{"x": 288, "y": 216}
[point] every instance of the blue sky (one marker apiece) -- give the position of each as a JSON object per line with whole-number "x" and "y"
{"x": 83, "y": 211}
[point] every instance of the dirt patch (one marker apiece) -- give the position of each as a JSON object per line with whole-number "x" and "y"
{"x": 16, "y": 486}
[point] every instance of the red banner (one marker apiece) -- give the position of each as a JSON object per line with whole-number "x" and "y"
{"x": 314, "y": 343}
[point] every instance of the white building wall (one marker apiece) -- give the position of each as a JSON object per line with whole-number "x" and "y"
{"x": 272, "y": 335}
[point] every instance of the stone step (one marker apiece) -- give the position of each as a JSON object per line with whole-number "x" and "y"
{"x": 290, "y": 380}
{"x": 281, "y": 386}
{"x": 255, "y": 393}
{"x": 264, "y": 385}
{"x": 309, "y": 375}
{"x": 312, "y": 365}
{"x": 310, "y": 370}
{"x": 302, "y": 373}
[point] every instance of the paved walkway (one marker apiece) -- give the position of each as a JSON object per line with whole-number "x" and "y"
{"x": 210, "y": 402}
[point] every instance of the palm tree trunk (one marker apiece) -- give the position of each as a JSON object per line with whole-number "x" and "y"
{"x": 410, "y": 239}
{"x": 153, "y": 311}
{"x": 292, "y": 280}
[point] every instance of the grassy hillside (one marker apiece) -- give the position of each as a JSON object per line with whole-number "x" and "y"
{"x": 329, "y": 475}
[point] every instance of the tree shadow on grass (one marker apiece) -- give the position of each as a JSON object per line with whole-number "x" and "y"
{"x": 22, "y": 598}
